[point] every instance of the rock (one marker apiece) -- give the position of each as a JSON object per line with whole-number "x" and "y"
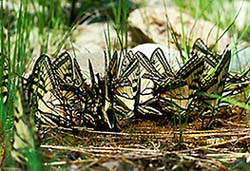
{"x": 241, "y": 61}
{"x": 172, "y": 55}
{"x": 89, "y": 43}
{"x": 149, "y": 25}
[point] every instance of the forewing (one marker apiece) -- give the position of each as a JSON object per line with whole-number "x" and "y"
{"x": 126, "y": 61}
{"x": 159, "y": 61}
{"x": 68, "y": 70}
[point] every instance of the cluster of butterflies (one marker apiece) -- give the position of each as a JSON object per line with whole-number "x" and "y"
{"x": 133, "y": 87}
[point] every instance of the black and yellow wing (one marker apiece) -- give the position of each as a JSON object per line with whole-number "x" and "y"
{"x": 191, "y": 72}
{"x": 236, "y": 84}
{"x": 180, "y": 88}
{"x": 40, "y": 81}
{"x": 211, "y": 60}
{"x": 124, "y": 62}
{"x": 160, "y": 62}
{"x": 125, "y": 89}
{"x": 75, "y": 96}
{"x": 147, "y": 73}
{"x": 68, "y": 70}
{"x": 215, "y": 84}
{"x": 55, "y": 102}
{"x": 97, "y": 102}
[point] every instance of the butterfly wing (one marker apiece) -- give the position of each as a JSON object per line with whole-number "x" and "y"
{"x": 147, "y": 78}
{"x": 201, "y": 50}
{"x": 159, "y": 61}
{"x": 108, "y": 102}
{"x": 191, "y": 71}
{"x": 186, "y": 80}
{"x": 215, "y": 84}
{"x": 40, "y": 81}
{"x": 68, "y": 70}
{"x": 125, "y": 62}
{"x": 37, "y": 87}
{"x": 126, "y": 88}
{"x": 180, "y": 88}
{"x": 235, "y": 84}
{"x": 100, "y": 96}
{"x": 52, "y": 100}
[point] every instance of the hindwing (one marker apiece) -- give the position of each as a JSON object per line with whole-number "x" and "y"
{"x": 126, "y": 88}
{"x": 62, "y": 108}
{"x": 235, "y": 84}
